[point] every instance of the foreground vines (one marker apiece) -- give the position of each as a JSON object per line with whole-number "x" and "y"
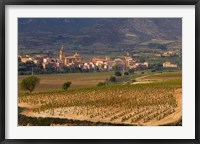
{"x": 128, "y": 104}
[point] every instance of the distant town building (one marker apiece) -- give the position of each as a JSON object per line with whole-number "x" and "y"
{"x": 102, "y": 63}
{"x": 74, "y": 59}
{"x": 146, "y": 64}
{"x": 36, "y": 61}
{"x": 169, "y": 64}
{"x": 99, "y": 60}
{"x": 142, "y": 65}
{"x": 25, "y": 58}
{"x": 59, "y": 64}
{"x": 131, "y": 63}
{"x": 46, "y": 60}
{"x": 120, "y": 62}
{"x": 158, "y": 55}
{"x": 70, "y": 60}
{"x": 169, "y": 53}
{"x": 89, "y": 66}
{"x": 44, "y": 65}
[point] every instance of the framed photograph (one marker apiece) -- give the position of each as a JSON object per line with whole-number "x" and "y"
{"x": 99, "y": 71}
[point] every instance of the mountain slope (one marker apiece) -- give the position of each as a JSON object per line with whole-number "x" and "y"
{"x": 40, "y": 32}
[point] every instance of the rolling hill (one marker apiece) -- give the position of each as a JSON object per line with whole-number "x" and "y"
{"x": 96, "y": 32}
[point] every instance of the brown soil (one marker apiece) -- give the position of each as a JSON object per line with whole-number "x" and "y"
{"x": 169, "y": 119}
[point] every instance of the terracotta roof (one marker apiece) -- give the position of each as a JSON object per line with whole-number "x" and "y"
{"x": 70, "y": 57}
{"x": 95, "y": 59}
{"x": 132, "y": 60}
{"x": 167, "y": 63}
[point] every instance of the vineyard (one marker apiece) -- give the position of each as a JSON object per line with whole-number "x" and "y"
{"x": 142, "y": 104}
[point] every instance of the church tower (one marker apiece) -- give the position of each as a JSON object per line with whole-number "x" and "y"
{"x": 62, "y": 55}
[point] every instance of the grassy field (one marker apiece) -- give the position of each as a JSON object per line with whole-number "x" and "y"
{"x": 155, "y": 103}
{"x": 165, "y": 76}
{"x": 50, "y": 82}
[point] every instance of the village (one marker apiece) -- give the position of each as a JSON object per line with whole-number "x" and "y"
{"x": 95, "y": 63}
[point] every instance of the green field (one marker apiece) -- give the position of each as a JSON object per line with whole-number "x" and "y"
{"x": 165, "y": 76}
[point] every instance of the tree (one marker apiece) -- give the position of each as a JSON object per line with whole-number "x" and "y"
{"x": 66, "y": 85}
{"x": 101, "y": 66}
{"x": 29, "y": 83}
{"x": 131, "y": 71}
{"x": 101, "y": 84}
{"x": 21, "y": 66}
{"x": 126, "y": 73}
{"x": 157, "y": 67}
{"x": 117, "y": 73}
{"x": 117, "y": 68}
{"x": 142, "y": 60}
{"x": 30, "y": 65}
{"x": 106, "y": 81}
{"x": 49, "y": 68}
{"x": 112, "y": 79}
{"x": 133, "y": 80}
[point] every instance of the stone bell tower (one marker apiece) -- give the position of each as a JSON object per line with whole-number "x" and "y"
{"x": 62, "y": 54}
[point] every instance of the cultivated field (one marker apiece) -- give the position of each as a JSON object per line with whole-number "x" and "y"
{"x": 156, "y": 103}
{"x": 50, "y": 82}
{"x": 166, "y": 76}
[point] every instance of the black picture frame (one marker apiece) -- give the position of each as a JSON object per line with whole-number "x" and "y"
{"x": 3, "y": 4}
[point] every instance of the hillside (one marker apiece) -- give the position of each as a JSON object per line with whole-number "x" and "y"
{"x": 94, "y": 33}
